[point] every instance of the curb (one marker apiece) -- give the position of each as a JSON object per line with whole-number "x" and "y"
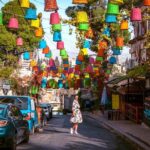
{"x": 137, "y": 144}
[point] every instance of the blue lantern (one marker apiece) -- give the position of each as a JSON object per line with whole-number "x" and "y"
{"x": 116, "y": 51}
{"x": 48, "y": 55}
{"x": 106, "y": 32}
{"x": 65, "y": 62}
{"x": 112, "y": 60}
{"x": 60, "y": 84}
{"x": 26, "y": 56}
{"x": 86, "y": 44}
{"x": 78, "y": 62}
{"x": 111, "y": 18}
{"x": 57, "y": 37}
{"x": 53, "y": 68}
{"x": 66, "y": 68}
{"x": 42, "y": 44}
{"x": 63, "y": 76}
{"x": 30, "y": 14}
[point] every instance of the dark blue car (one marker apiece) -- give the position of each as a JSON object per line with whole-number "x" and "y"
{"x": 13, "y": 128}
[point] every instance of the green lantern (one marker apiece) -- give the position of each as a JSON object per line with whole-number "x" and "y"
{"x": 83, "y": 26}
{"x": 87, "y": 82}
{"x": 1, "y": 18}
{"x": 99, "y": 58}
{"x": 56, "y": 27}
{"x": 63, "y": 52}
{"x": 112, "y": 9}
{"x": 108, "y": 71}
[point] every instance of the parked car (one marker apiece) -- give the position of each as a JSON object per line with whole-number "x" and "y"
{"x": 48, "y": 110}
{"x": 27, "y": 107}
{"x": 13, "y": 128}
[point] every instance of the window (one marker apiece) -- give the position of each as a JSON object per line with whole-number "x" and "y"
{"x": 14, "y": 112}
{"x": 1, "y": 111}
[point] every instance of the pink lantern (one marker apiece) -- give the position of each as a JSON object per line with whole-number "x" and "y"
{"x": 13, "y": 23}
{"x": 89, "y": 69}
{"x": 51, "y": 63}
{"x": 60, "y": 45}
{"x": 54, "y": 18}
{"x": 19, "y": 41}
{"x": 136, "y": 14}
{"x": 91, "y": 60}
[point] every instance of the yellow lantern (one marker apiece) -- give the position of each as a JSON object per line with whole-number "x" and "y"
{"x": 80, "y": 1}
{"x": 84, "y": 51}
{"x": 82, "y": 17}
{"x": 118, "y": 2}
{"x": 25, "y": 3}
{"x": 124, "y": 25}
{"x": 35, "y": 23}
{"x": 87, "y": 75}
{"x": 33, "y": 63}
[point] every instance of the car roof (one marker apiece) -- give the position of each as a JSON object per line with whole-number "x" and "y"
{"x": 13, "y": 96}
{"x": 4, "y": 105}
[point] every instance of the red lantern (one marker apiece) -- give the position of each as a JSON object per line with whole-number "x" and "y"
{"x": 147, "y": 2}
{"x": 101, "y": 52}
{"x": 119, "y": 41}
{"x": 51, "y": 5}
{"x": 45, "y": 50}
{"x": 13, "y": 23}
{"x": 54, "y": 18}
{"x": 103, "y": 45}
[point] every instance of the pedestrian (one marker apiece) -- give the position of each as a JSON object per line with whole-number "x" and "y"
{"x": 76, "y": 117}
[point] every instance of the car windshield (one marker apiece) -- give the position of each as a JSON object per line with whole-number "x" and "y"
{"x": 1, "y": 111}
{"x": 21, "y": 102}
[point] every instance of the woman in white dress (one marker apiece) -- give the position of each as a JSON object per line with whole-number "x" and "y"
{"x": 76, "y": 117}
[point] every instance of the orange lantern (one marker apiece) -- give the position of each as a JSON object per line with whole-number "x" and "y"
{"x": 119, "y": 41}
{"x": 77, "y": 67}
{"x": 50, "y": 5}
{"x": 35, "y": 68}
{"x": 80, "y": 1}
{"x": 101, "y": 52}
{"x": 45, "y": 50}
{"x": 66, "y": 65}
{"x": 103, "y": 45}
{"x": 124, "y": 25}
{"x": 147, "y": 2}
{"x": 80, "y": 57}
{"x": 39, "y": 32}
{"x": 89, "y": 33}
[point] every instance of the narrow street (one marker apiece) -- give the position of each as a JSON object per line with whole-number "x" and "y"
{"x": 92, "y": 136}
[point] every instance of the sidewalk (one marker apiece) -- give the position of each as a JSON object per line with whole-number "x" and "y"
{"x": 135, "y": 133}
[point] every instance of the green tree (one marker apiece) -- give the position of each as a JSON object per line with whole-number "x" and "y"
{"x": 9, "y": 50}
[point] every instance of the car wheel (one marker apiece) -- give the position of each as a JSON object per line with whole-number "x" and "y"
{"x": 13, "y": 145}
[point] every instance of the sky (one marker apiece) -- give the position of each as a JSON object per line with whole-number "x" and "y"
{"x": 69, "y": 40}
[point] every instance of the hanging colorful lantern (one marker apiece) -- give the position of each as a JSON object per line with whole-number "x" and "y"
{"x": 57, "y": 36}
{"x": 51, "y": 62}
{"x": 91, "y": 60}
{"x": 54, "y": 18}
{"x": 101, "y": 52}
{"x": 65, "y": 56}
{"x": 83, "y": 26}
{"x": 89, "y": 33}
{"x": 103, "y": 45}
{"x": 111, "y": 18}
{"x": 35, "y": 68}
{"x": 1, "y": 18}
{"x": 80, "y": 1}
{"x": 120, "y": 42}
{"x": 25, "y": 3}
{"x": 60, "y": 45}
{"x": 30, "y": 14}
{"x": 35, "y": 23}
{"x": 56, "y": 27}
{"x": 63, "y": 52}
{"x": 86, "y": 44}
{"x": 42, "y": 44}
{"x": 116, "y": 51}
{"x": 112, "y": 60}
{"x": 13, "y": 23}
{"x": 80, "y": 57}
{"x": 112, "y": 9}
{"x": 39, "y": 32}
{"x": 136, "y": 14}
{"x": 19, "y": 41}
{"x": 26, "y": 56}
{"x": 46, "y": 50}
{"x": 106, "y": 32}
{"x": 99, "y": 59}
{"x": 51, "y": 5}
{"x": 49, "y": 54}
{"x": 84, "y": 51}
{"x": 78, "y": 62}
{"x": 146, "y": 2}
{"x": 82, "y": 17}
{"x": 60, "y": 84}
{"x": 33, "y": 63}
{"x": 118, "y": 2}
{"x": 124, "y": 25}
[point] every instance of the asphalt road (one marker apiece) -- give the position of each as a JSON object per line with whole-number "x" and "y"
{"x": 92, "y": 136}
